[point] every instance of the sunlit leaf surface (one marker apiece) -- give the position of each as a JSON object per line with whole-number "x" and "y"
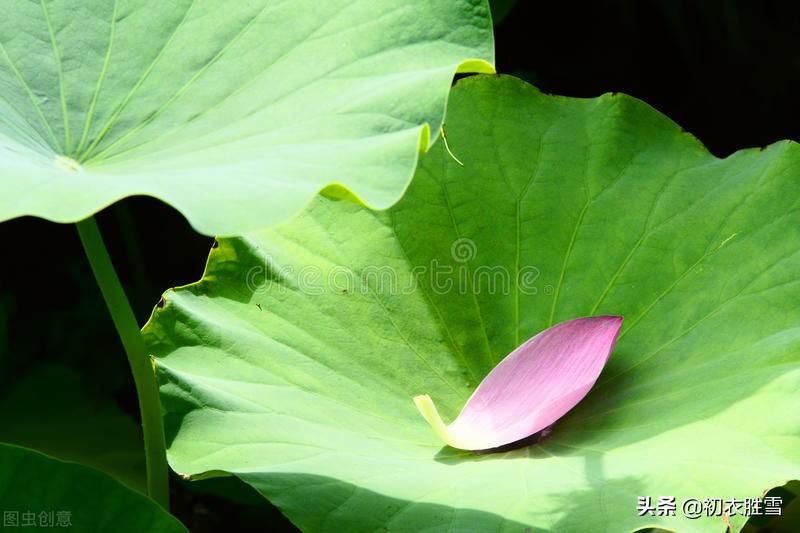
{"x": 236, "y": 113}
{"x": 293, "y": 363}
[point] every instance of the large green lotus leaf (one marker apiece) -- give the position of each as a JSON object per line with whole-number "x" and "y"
{"x": 293, "y": 363}
{"x": 236, "y": 113}
{"x": 39, "y": 493}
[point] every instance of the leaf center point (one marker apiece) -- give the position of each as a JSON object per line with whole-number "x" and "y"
{"x": 67, "y": 163}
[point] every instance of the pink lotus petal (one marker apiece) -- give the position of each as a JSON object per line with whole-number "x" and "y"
{"x": 532, "y": 387}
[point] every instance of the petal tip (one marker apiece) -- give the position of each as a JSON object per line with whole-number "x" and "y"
{"x": 612, "y": 321}
{"x": 608, "y": 318}
{"x": 616, "y": 322}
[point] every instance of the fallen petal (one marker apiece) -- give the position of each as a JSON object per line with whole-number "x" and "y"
{"x": 532, "y": 387}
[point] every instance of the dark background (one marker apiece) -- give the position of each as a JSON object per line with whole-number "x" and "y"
{"x": 726, "y": 71}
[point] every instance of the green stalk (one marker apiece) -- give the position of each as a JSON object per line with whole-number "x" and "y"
{"x": 141, "y": 367}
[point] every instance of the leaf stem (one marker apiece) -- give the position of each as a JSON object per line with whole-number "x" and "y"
{"x": 132, "y": 341}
